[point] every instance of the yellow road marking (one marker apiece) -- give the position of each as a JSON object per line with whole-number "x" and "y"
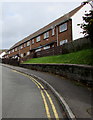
{"x": 42, "y": 94}
{"x": 44, "y": 99}
{"x": 50, "y": 100}
{"x": 46, "y": 105}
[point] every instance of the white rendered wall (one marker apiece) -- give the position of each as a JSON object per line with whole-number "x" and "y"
{"x": 77, "y": 19}
{"x": 1, "y": 55}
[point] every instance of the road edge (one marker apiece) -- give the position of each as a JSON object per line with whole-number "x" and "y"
{"x": 65, "y": 106}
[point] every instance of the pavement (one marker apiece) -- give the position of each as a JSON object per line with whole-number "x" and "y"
{"x": 77, "y": 96}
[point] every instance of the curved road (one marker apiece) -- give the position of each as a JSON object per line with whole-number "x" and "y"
{"x": 25, "y": 97}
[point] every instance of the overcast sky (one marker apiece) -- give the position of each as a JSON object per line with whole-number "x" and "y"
{"x": 20, "y": 19}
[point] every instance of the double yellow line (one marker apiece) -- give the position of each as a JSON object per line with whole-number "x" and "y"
{"x": 42, "y": 91}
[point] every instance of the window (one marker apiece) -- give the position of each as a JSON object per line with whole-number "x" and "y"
{"x": 38, "y": 39}
{"x": 37, "y": 50}
{"x": 47, "y": 47}
{"x": 21, "y": 46}
{"x": 15, "y": 49}
{"x": 53, "y": 31}
{"x": 63, "y": 27}
{"x": 9, "y": 52}
{"x": 24, "y": 44}
{"x": 63, "y": 42}
{"x": 21, "y": 55}
{"x": 28, "y": 43}
{"x": 46, "y": 35}
{"x": 28, "y": 53}
{"x": 33, "y": 41}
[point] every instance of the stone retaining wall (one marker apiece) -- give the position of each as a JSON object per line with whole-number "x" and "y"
{"x": 82, "y": 73}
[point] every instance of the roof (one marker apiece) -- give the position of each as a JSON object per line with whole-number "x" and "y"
{"x": 47, "y": 27}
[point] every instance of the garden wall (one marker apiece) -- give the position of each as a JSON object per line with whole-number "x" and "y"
{"x": 82, "y": 73}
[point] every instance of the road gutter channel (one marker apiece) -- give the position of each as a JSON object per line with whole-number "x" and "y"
{"x": 65, "y": 106}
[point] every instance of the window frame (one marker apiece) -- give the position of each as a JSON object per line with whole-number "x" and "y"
{"x": 53, "y": 31}
{"x": 21, "y": 47}
{"x": 12, "y": 50}
{"x": 28, "y": 43}
{"x": 9, "y": 52}
{"x": 63, "y": 41}
{"x": 32, "y": 41}
{"x": 24, "y": 45}
{"x": 63, "y": 27}
{"x": 46, "y": 35}
{"x": 38, "y": 39}
{"x": 16, "y": 49}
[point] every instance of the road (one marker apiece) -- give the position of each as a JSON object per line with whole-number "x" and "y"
{"x": 25, "y": 97}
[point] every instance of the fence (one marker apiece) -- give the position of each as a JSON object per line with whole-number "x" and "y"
{"x": 73, "y": 46}
{"x": 79, "y": 44}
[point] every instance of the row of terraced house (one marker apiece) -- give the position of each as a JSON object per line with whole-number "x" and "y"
{"x": 57, "y": 33}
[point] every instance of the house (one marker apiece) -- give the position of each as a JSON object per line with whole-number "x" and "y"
{"x": 2, "y": 53}
{"x": 58, "y": 32}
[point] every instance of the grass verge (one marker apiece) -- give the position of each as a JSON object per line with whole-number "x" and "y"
{"x": 81, "y": 57}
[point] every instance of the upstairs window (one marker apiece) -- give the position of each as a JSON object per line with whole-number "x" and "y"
{"x": 46, "y": 35}
{"x": 33, "y": 41}
{"x": 9, "y": 52}
{"x": 53, "y": 31}
{"x": 21, "y": 46}
{"x": 24, "y": 44}
{"x": 28, "y": 43}
{"x": 63, "y": 27}
{"x": 38, "y": 39}
{"x": 15, "y": 49}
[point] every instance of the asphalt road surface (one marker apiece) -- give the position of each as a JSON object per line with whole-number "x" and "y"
{"x": 25, "y": 97}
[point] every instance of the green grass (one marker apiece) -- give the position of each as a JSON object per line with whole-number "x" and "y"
{"x": 80, "y": 57}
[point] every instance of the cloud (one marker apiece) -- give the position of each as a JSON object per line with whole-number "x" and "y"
{"x": 20, "y": 19}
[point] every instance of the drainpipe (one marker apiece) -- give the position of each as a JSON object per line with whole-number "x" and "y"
{"x": 19, "y": 53}
{"x": 30, "y": 45}
{"x": 57, "y": 34}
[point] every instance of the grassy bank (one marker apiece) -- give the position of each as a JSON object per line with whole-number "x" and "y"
{"x": 80, "y": 57}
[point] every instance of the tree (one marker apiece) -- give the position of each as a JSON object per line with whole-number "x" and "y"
{"x": 87, "y": 25}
